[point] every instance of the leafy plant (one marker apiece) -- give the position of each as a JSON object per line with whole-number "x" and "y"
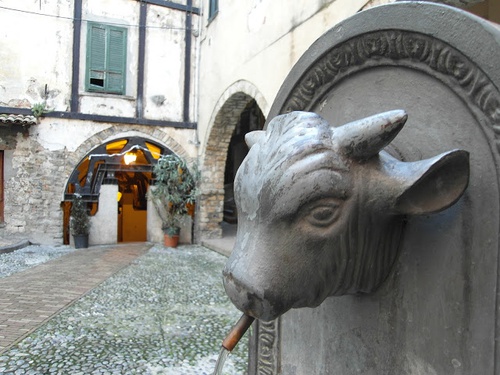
{"x": 79, "y": 221}
{"x": 39, "y": 109}
{"x": 174, "y": 190}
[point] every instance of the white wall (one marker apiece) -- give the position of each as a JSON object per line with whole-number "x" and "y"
{"x": 104, "y": 224}
{"x": 36, "y": 44}
{"x": 260, "y": 41}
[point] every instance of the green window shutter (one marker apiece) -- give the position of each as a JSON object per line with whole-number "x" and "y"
{"x": 116, "y": 60}
{"x": 213, "y": 8}
{"x": 106, "y": 58}
{"x": 96, "y": 57}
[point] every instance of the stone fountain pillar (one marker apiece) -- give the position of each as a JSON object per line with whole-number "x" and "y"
{"x": 436, "y": 313}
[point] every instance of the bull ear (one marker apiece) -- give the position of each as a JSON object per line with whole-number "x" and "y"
{"x": 434, "y": 184}
{"x": 253, "y": 137}
{"x": 364, "y": 138}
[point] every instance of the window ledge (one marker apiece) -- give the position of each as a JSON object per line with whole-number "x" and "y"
{"x": 107, "y": 95}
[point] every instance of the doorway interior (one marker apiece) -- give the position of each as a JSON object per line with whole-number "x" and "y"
{"x": 251, "y": 119}
{"x": 127, "y": 163}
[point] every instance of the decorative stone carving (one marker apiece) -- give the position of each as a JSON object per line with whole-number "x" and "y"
{"x": 266, "y": 344}
{"x": 397, "y": 48}
{"x": 321, "y": 209}
{"x": 435, "y": 313}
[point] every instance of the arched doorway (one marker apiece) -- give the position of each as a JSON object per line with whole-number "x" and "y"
{"x": 251, "y": 118}
{"x": 122, "y": 168}
{"x": 240, "y": 110}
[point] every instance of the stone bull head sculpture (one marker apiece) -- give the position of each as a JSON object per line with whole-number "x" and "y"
{"x": 321, "y": 209}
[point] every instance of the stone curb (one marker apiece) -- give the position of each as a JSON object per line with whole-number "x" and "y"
{"x": 15, "y": 246}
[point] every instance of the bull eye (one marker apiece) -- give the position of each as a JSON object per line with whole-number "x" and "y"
{"x": 323, "y": 214}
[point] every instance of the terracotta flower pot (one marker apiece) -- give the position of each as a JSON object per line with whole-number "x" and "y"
{"x": 171, "y": 241}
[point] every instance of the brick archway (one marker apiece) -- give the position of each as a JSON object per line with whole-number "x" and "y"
{"x": 226, "y": 117}
{"x": 116, "y": 131}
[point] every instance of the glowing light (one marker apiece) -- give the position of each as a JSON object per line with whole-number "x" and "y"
{"x": 130, "y": 157}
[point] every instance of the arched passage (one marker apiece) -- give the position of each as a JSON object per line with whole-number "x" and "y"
{"x": 114, "y": 133}
{"x": 240, "y": 110}
{"x": 126, "y": 164}
{"x": 251, "y": 118}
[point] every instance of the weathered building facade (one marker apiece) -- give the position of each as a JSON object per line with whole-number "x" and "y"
{"x": 150, "y": 77}
{"x": 103, "y": 78}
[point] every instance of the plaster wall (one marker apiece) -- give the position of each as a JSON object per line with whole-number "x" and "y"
{"x": 36, "y": 45}
{"x": 164, "y": 73}
{"x": 61, "y": 134}
{"x": 104, "y": 228}
{"x": 164, "y": 61}
{"x": 259, "y": 42}
{"x": 41, "y": 69}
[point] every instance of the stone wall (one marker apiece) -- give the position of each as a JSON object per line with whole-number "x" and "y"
{"x": 33, "y": 193}
{"x": 211, "y": 199}
{"x": 214, "y": 153}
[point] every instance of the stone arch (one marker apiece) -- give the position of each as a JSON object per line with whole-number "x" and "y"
{"x": 117, "y": 131}
{"x": 224, "y": 119}
{"x": 95, "y": 143}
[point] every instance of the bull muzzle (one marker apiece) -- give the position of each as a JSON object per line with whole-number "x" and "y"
{"x": 253, "y": 302}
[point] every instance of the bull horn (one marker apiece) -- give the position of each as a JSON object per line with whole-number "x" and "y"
{"x": 364, "y": 138}
{"x": 253, "y": 137}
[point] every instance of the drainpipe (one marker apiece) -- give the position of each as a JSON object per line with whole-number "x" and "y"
{"x": 196, "y": 141}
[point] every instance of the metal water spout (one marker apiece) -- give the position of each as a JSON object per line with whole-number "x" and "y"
{"x": 231, "y": 340}
{"x": 237, "y": 332}
{"x": 321, "y": 209}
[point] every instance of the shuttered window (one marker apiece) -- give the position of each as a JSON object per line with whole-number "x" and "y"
{"x": 106, "y": 58}
{"x": 213, "y": 8}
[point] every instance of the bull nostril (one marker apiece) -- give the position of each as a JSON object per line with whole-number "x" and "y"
{"x": 249, "y": 298}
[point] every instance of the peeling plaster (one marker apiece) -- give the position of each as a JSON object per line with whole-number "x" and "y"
{"x": 55, "y": 136}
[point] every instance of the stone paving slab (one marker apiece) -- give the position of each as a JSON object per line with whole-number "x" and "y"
{"x": 31, "y": 297}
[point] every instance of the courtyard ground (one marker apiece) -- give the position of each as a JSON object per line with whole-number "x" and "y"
{"x": 162, "y": 311}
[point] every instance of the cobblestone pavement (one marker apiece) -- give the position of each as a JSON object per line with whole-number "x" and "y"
{"x": 158, "y": 311}
{"x": 29, "y": 298}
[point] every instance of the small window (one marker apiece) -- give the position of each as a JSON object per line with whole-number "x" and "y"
{"x": 213, "y": 8}
{"x": 106, "y": 58}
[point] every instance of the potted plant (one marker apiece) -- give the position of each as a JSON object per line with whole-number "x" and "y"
{"x": 174, "y": 194}
{"x": 79, "y": 222}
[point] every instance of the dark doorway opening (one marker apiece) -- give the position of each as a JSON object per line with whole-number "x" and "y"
{"x": 250, "y": 119}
